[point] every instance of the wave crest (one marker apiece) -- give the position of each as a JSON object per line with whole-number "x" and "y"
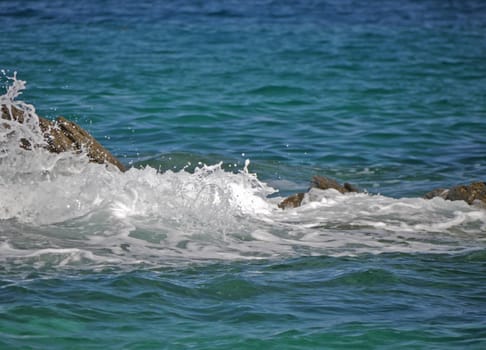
{"x": 59, "y": 209}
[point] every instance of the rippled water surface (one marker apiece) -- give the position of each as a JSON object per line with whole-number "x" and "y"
{"x": 221, "y": 109}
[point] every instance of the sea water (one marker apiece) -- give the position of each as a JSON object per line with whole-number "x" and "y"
{"x": 220, "y": 109}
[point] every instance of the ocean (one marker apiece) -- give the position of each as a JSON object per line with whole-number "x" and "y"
{"x": 221, "y": 109}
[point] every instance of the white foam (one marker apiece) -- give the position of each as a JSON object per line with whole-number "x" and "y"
{"x": 60, "y": 210}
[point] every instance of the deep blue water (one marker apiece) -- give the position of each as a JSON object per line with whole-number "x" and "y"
{"x": 387, "y": 95}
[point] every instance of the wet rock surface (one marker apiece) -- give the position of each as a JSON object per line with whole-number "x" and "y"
{"x": 325, "y": 183}
{"x": 471, "y": 193}
{"x": 320, "y": 182}
{"x": 292, "y": 201}
{"x": 474, "y": 193}
{"x": 62, "y": 135}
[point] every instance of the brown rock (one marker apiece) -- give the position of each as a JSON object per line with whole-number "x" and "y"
{"x": 321, "y": 182}
{"x": 66, "y": 135}
{"x": 475, "y": 191}
{"x": 63, "y": 135}
{"x": 468, "y": 193}
{"x": 439, "y": 192}
{"x": 14, "y": 114}
{"x": 325, "y": 183}
{"x": 292, "y": 201}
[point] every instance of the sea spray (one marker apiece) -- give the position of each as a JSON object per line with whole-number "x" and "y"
{"x": 59, "y": 210}
{"x": 17, "y": 130}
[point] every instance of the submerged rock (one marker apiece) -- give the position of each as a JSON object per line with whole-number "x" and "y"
{"x": 471, "y": 193}
{"x": 438, "y": 192}
{"x": 63, "y": 135}
{"x": 474, "y": 193}
{"x": 292, "y": 201}
{"x": 320, "y": 182}
{"x": 325, "y": 183}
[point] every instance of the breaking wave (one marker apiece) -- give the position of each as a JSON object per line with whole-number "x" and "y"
{"x": 60, "y": 210}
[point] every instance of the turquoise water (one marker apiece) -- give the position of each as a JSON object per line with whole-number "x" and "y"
{"x": 183, "y": 251}
{"x": 390, "y": 301}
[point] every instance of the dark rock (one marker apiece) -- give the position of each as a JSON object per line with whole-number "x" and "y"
{"x": 66, "y": 135}
{"x": 468, "y": 193}
{"x": 475, "y": 191}
{"x": 320, "y": 182}
{"x": 439, "y": 192}
{"x": 325, "y": 183}
{"x": 14, "y": 113}
{"x": 63, "y": 135}
{"x": 472, "y": 193}
{"x": 350, "y": 188}
{"x": 292, "y": 201}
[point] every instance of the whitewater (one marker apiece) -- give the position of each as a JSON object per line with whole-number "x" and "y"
{"x": 60, "y": 211}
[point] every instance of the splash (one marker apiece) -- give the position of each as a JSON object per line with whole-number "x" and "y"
{"x": 11, "y": 129}
{"x": 58, "y": 210}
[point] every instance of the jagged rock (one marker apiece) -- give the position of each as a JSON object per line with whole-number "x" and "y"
{"x": 439, "y": 192}
{"x": 292, "y": 201}
{"x": 472, "y": 193}
{"x": 320, "y": 182}
{"x": 63, "y": 135}
{"x": 325, "y": 183}
{"x": 14, "y": 114}
{"x": 475, "y": 191}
